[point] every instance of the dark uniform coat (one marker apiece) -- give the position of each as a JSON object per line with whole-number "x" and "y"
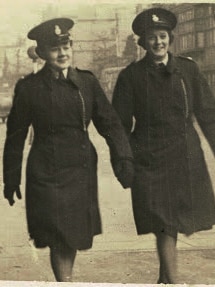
{"x": 172, "y": 190}
{"x": 61, "y": 182}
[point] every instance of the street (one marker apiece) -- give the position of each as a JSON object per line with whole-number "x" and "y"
{"x": 118, "y": 255}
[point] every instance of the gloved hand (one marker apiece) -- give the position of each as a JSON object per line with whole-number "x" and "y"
{"x": 124, "y": 171}
{"x": 9, "y": 193}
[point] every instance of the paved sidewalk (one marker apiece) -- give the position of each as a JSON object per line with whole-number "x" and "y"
{"x": 117, "y": 256}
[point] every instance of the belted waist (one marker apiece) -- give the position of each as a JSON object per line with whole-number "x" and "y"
{"x": 71, "y": 132}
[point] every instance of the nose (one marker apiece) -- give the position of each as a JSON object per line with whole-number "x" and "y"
{"x": 61, "y": 52}
{"x": 158, "y": 40}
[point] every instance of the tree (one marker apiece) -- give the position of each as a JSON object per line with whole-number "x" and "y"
{"x": 5, "y": 70}
{"x": 130, "y": 51}
{"x": 105, "y": 54}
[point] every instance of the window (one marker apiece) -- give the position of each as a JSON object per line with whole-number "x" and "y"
{"x": 213, "y": 79}
{"x": 186, "y": 16}
{"x": 200, "y": 40}
{"x": 209, "y": 38}
{"x": 187, "y": 42}
{"x": 210, "y": 57}
{"x": 186, "y": 27}
{"x": 213, "y": 37}
{"x": 204, "y": 23}
{"x": 209, "y": 78}
{"x": 190, "y": 14}
{"x": 199, "y": 12}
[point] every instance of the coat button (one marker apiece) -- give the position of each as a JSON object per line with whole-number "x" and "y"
{"x": 84, "y": 165}
{"x": 83, "y": 146}
{"x": 52, "y": 130}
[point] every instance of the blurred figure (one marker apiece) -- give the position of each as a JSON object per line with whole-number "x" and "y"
{"x": 61, "y": 178}
{"x": 172, "y": 191}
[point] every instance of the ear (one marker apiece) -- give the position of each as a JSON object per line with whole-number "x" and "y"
{"x": 41, "y": 52}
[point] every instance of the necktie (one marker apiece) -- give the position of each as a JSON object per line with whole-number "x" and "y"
{"x": 161, "y": 65}
{"x": 61, "y": 76}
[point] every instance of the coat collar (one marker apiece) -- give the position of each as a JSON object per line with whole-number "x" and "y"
{"x": 149, "y": 64}
{"x": 74, "y": 76}
{"x": 48, "y": 76}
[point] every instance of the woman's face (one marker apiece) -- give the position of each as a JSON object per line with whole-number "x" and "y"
{"x": 157, "y": 43}
{"x": 58, "y": 57}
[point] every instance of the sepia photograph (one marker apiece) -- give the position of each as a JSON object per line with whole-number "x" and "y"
{"x": 107, "y": 143}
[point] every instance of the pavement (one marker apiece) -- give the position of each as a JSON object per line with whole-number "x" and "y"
{"x": 118, "y": 256}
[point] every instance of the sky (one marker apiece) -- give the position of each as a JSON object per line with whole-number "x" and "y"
{"x": 18, "y": 17}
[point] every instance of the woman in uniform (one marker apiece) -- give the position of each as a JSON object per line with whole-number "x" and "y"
{"x": 172, "y": 191}
{"x": 61, "y": 179}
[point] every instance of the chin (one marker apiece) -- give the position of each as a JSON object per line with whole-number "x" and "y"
{"x": 61, "y": 67}
{"x": 159, "y": 55}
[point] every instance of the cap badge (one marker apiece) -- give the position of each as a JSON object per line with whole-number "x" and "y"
{"x": 57, "y": 30}
{"x": 155, "y": 18}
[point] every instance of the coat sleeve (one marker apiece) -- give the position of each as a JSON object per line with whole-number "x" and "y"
{"x": 123, "y": 100}
{"x": 204, "y": 107}
{"x": 18, "y": 122}
{"x": 109, "y": 126}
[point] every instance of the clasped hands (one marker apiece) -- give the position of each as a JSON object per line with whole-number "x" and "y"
{"x": 9, "y": 192}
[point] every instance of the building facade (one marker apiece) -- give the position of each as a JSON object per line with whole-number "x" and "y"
{"x": 195, "y": 36}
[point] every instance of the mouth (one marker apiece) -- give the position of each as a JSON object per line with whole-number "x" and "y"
{"x": 62, "y": 60}
{"x": 158, "y": 48}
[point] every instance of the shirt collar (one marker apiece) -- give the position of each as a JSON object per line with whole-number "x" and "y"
{"x": 56, "y": 73}
{"x": 170, "y": 67}
{"x": 165, "y": 60}
{"x": 65, "y": 73}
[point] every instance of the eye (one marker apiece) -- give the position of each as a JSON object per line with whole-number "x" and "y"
{"x": 163, "y": 36}
{"x": 54, "y": 49}
{"x": 151, "y": 37}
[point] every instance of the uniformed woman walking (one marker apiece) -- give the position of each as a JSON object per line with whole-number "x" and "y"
{"x": 172, "y": 190}
{"x": 61, "y": 179}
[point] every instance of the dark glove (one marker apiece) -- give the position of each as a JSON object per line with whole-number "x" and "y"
{"x": 9, "y": 193}
{"x": 124, "y": 171}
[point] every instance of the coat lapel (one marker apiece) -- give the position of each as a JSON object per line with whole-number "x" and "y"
{"x": 74, "y": 76}
{"x": 77, "y": 81}
{"x": 172, "y": 66}
{"x": 46, "y": 76}
{"x": 150, "y": 66}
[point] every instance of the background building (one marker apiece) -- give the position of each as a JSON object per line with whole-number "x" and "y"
{"x": 195, "y": 36}
{"x": 103, "y": 37}
{"x": 100, "y": 32}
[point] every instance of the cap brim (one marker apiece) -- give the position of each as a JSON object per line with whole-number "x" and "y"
{"x": 37, "y": 31}
{"x": 143, "y": 20}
